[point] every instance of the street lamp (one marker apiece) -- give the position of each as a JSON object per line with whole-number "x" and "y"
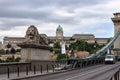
{"x": 72, "y": 54}
{"x": 94, "y": 48}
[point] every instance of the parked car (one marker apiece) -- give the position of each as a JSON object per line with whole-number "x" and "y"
{"x": 110, "y": 59}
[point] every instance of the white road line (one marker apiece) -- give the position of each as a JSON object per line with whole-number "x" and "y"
{"x": 84, "y": 74}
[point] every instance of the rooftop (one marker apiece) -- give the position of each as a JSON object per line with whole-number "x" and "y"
{"x": 83, "y": 35}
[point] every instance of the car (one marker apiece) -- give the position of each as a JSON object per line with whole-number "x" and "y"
{"x": 110, "y": 59}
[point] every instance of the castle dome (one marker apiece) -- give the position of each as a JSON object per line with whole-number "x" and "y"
{"x": 59, "y": 28}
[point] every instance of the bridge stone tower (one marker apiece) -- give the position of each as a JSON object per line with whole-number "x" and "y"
{"x": 116, "y": 21}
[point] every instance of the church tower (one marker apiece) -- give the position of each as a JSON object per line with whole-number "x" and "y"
{"x": 116, "y": 21}
{"x": 59, "y": 33}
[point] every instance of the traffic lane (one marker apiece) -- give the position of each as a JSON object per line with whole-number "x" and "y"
{"x": 82, "y": 74}
{"x": 103, "y": 73}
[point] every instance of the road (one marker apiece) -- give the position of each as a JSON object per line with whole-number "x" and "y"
{"x": 98, "y": 72}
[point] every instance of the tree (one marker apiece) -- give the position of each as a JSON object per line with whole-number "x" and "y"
{"x": 51, "y": 49}
{"x": 57, "y": 51}
{"x": 7, "y": 51}
{"x": 79, "y": 45}
{"x": 10, "y": 59}
{"x": 18, "y": 50}
{"x": 57, "y": 45}
{"x": 8, "y": 45}
{"x": 82, "y": 45}
{"x": 57, "y": 48}
{"x": 62, "y": 56}
{"x": 13, "y": 51}
{"x": 2, "y": 51}
{"x": 17, "y": 59}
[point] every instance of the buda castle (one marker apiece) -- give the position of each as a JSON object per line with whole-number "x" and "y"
{"x": 90, "y": 38}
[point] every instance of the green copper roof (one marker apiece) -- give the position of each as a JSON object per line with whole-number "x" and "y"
{"x": 59, "y": 28}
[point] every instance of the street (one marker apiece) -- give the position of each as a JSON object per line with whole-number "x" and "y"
{"x": 97, "y": 72}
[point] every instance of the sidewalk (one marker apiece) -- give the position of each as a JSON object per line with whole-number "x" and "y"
{"x": 23, "y": 74}
{"x": 15, "y": 75}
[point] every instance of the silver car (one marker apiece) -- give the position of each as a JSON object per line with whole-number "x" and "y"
{"x": 110, "y": 59}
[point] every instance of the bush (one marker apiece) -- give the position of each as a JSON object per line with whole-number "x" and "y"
{"x": 1, "y": 61}
{"x": 10, "y": 59}
{"x": 62, "y": 56}
{"x": 17, "y": 59}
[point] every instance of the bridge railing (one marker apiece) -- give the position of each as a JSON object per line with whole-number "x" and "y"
{"x": 116, "y": 76}
{"x": 80, "y": 63}
{"x": 48, "y": 68}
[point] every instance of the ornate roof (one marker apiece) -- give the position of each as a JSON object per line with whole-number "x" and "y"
{"x": 59, "y": 28}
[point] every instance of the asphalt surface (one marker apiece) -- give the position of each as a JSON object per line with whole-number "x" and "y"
{"x": 98, "y": 72}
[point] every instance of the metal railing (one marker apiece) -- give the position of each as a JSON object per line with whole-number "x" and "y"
{"x": 35, "y": 70}
{"x": 68, "y": 64}
{"x": 116, "y": 76}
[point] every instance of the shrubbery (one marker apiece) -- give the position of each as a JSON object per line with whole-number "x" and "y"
{"x": 62, "y": 56}
{"x": 11, "y": 59}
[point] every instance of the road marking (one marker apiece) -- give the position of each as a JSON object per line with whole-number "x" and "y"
{"x": 84, "y": 74}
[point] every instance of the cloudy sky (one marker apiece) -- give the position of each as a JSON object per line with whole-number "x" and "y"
{"x": 75, "y": 16}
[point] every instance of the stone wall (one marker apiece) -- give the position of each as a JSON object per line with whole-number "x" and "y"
{"x": 13, "y": 67}
{"x": 22, "y": 66}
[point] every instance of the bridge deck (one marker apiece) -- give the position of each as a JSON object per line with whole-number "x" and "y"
{"x": 97, "y": 72}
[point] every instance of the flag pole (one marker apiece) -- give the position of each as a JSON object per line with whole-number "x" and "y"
{"x": 63, "y": 50}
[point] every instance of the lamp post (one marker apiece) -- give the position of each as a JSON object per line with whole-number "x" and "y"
{"x": 72, "y": 54}
{"x": 94, "y": 48}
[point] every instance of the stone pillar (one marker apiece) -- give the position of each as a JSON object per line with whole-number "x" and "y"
{"x": 34, "y": 47}
{"x": 116, "y": 21}
{"x": 32, "y": 52}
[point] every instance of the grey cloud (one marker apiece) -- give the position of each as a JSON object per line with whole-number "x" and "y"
{"x": 36, "y": 3}
{"x": 27, "y": 9}
{"x": 7, "y": 7}
{"x": 8, "y": 24}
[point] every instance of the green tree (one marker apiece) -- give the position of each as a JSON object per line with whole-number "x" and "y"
{"x": 10, "y": 59}
{"x": 2, "y": 51}
{"x": 51, "y": 49}
{"x": 82, "y": 45}
{"x": 18, "y": 50}
{"x": 62, "y": 56}
{"x": 8, "y": 46}
{"x": 1, "y": 61}
{"x": 57, "y": 51}
{"x": 7, "y": 51}
{"x": 13, "y": 51}
{"x": 17, "y": 59}
{"x": 57, "y": 45}
{"x": 57, "y": 48}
